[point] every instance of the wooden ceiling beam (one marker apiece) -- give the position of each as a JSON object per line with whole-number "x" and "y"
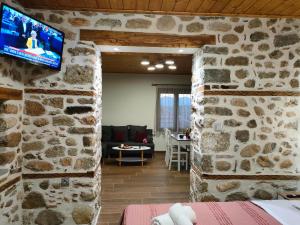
{"x": 146, "y": 39}
{"x": 10, "y": 94}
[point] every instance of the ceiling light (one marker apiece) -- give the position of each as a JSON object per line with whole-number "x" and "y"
{"x": 151, "y": 68}
{"x": 145, "y": 62}
{"x": 169, "y": 62}
{"x": 116, "y": 49}
{"x": 180, "y": 50}
{"x": 172, "y": 67}
{"x": 159, "y": 65}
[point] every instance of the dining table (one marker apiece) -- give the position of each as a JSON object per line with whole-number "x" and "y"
{"x": 181, "y": 141}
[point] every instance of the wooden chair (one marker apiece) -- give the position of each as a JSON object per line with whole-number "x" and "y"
{"x": 173, "y": 155}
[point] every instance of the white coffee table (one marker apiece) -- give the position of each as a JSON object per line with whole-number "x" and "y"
{"x": 131, "y": 159}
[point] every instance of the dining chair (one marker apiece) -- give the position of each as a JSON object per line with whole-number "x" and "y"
{"x": 173, "y": 157}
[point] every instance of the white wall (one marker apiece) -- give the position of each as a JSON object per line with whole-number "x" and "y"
{"x": 129, "y": 99}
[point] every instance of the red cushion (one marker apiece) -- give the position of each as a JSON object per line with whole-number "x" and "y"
{"x": 140, "y": 136}
{"x": 119, "y": 136}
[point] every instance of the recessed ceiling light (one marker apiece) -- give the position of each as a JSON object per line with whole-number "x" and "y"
{"x": 169, "y": 62}
{"x": 180, "y": 50}
{"x": 116, "y": 49}
{"x": 159, "y": 65}
{"x": 151, "y": 68}
{"x": 172, "y": 67}
{"x": 145, "y": 62}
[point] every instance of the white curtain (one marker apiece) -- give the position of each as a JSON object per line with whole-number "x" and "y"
{"x": 173, "y": 108}
{"x": 184, "y": 111}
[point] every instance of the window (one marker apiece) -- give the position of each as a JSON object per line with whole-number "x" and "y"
{"x": 173, "y": 109}
{"x": 167, "y": 111}
{"x": 184, "y": 111}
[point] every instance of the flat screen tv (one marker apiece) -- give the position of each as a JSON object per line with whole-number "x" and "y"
{"x": 24, "y": 37}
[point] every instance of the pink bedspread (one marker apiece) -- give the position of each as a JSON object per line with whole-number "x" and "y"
{"x": 208, "y": 213}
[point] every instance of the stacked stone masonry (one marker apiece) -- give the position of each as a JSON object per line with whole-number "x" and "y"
{"x": 61, "y": 133}
{"x": 260, "y": 133}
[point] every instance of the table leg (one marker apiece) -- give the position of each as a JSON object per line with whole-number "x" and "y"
{"x": 178, "y": 156}
{"x": 142, "y": 158}
{"x": 120, "y": 158}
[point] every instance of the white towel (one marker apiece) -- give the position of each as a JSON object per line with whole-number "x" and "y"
{"x": 175, "y": 211}
{"x": 164, "y": 219}
{"x": 178, "y": 210}
{"x": 190, "y": 213}
{"x": 183, "y": 220}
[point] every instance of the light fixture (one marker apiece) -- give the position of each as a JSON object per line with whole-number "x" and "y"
{"x": 159, "y": 65}
{"x": 180, "y": 50}
{"x": 169, "y": 62}
{"x": 116, "y": 49}
{"x": 172, "y": 67}
{"x": 151, "y": 68}
{"x": 145, "y": 62}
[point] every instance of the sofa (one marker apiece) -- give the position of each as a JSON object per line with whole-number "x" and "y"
{"x": 113, "y": 136}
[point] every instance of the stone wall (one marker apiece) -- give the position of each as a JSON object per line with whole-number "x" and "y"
{"x": 59, "y": 124}
{"x": 10, "y": 161}
{"x": 250, "y": 78}
{"x": 11, "y": 76}
{"x": 61, "y": 135}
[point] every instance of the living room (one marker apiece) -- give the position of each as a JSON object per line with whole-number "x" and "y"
{"x": 130, "y": 92}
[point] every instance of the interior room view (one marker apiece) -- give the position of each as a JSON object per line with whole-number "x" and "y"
{"x": 141, "y": 99}
{"x": 149, "y": 112}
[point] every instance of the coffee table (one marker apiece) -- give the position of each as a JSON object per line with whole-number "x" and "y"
{"x": 131, "y": 159}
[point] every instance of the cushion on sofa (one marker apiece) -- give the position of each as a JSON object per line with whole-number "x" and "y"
{"x": 119, "y": 136}
{"x": 140, "y": 136}
{"x": 120, "y": 132}
{"x": 106, "y": 133}
{"x": 133, "y": 130}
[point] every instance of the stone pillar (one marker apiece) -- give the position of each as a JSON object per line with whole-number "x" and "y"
{"x": 10, "y": 144}
{"x": 197, "y": 118}
{"x": 11, "y": 188}
{"x": 62, "y": 142}
{"x": 252, "y": 94}
{"x": 10, "y": 162}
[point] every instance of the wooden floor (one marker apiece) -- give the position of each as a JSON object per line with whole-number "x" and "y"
{"x": 133, "y": 184}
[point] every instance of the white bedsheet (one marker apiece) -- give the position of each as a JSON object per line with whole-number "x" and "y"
{"x": 286, "y": 212}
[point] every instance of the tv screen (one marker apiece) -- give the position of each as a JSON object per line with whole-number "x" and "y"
{"x": 24, "y": 37}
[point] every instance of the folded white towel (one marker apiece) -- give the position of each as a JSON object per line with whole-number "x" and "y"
{"x": 178, "y": 209}
{"x": 183, "y": 220}
{"x": 175, "y": 211}
{"x": 164, "y": 219}
{"x": 190, "y": 213}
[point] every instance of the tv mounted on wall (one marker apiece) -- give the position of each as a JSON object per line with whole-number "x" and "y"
{"x": 24, "y": 37}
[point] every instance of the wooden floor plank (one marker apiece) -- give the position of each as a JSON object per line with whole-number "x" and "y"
{"x": 133, "y": 184}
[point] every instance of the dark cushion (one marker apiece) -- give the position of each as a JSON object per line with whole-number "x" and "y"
{"x": 117, "y": 130}
{"x": 140, "y": 136}
{"x": 106, "y": 133}
{"x": 133, "y": 130}
{"x": 119, "y": 136}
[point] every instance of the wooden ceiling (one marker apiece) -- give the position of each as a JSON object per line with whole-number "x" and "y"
{"x": 130, "y": 63}
{"x": 261, "y": 8}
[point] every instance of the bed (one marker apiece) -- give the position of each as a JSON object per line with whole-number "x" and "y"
{"x": 223, "y": 213}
